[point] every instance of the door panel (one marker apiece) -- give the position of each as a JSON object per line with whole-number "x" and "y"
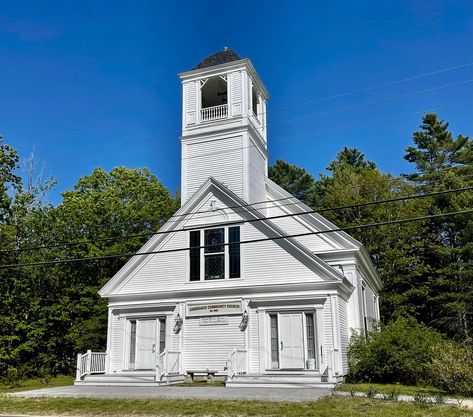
{"x": 291, "y": 341}
{"x": 145, "y": 344}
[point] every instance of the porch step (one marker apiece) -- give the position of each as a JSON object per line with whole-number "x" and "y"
{"x": 286, "y": 380}
{"x": 128, "y": 379}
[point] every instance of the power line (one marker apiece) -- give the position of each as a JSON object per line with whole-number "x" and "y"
{"x": 319, "y": 133}
{"x": 321, "y": 192}
{"x": 369, "y": 103}
{"x": 279, "y": 216}
{"x": 339, "y": 95}
{"x": 239, "y": 148}
{"x": 310, "y": 133}
{"x": 237, "y": 207}
{"x": 341, "y": 229}
{"x": 387, "y": 84}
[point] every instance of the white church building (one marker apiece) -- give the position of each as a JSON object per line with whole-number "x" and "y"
{"x": 239, "y": 283}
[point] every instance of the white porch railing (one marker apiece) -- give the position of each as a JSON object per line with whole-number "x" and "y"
{"x": 236, "y": 363}
{"x": 167, "y": 364}
{"x": 214, "y": 113}
{"x": 90, "y": 363}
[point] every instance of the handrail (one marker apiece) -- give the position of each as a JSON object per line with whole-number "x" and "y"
{"x": 214, "y": 113}
{"x": 236, "y": 363}
{"x": 90, "y": 363}
{"x": 167, "y": 363}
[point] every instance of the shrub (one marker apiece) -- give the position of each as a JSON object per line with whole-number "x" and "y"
{"x": 401, "y": 352}
{"x": 440, "y": 398}
{"x": 392, "y": 395}
{"x": 12, "y": 377}
{"x": 451, "y": 368}
{"x": 421, "y": 398}
{"x": 371, "y": 392}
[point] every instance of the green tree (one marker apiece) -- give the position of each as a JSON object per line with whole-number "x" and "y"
{"x": 396, "y": 250}
{"x": 50, "y": 312}
{"x": 293, "y": 179}
{"x": 9, "y": 181}
{"x": 442, "y": 163}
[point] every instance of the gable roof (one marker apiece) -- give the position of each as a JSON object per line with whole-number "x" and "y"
{"x": 221, "y": 57}
{"x": 267, "y": 227}
{"x": 319, "y": 222}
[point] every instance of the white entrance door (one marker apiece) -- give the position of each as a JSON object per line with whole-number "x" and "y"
{"x": 145, "y": 344}
{"x": 291, "y": 341}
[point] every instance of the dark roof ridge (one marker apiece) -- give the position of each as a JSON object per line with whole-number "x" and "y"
{"x": 221, "y": 57}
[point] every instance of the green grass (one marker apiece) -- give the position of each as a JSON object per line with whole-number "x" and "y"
{"x": 401, "y": 389}
{"x": 327, "y": 407}
{"x": 37, "y": 383}
{"x": 386, "y": 388}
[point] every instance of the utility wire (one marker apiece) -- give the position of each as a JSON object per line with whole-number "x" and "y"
{"x": 239, "y": 208}
{"x": 240, "y": 148}
{"x": 341, "y": 229}
{"x": 374, "y": 87}
{"x": 343, "y": 94}
{"x": 313, "y": 133}
{"x": 369, "y": 103}
{"x": 279, "y": 216}
{"x": 307, "y": 133}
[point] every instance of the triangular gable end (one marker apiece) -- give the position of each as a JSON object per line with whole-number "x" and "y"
{"x": 213, "y": 188}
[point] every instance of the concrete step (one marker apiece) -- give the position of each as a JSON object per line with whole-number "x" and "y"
{"x": 139, "y": 379}
{"x": 286, "y": 380}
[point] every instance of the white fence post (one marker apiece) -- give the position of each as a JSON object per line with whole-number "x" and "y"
{"x": 79, "y": 360}
{"x": 89, "y": 360}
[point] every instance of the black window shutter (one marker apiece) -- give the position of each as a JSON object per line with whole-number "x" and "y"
{"x": 234, "y": 251}
{"x": 194, "y": 254}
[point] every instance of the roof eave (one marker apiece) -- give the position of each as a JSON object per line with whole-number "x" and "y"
{"x": 232, "y": 65}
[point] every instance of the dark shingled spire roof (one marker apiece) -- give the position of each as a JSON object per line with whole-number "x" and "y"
{"x": 222, "y": 57}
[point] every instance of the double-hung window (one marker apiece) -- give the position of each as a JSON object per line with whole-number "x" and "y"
{"x": 214, "y": 254}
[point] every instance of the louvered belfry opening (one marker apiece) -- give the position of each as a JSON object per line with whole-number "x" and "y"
{"x": 214, "y": 95}
{"x": 214, "y": 91}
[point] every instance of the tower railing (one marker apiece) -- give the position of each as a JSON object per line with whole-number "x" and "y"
{"x": 214, "y": 113}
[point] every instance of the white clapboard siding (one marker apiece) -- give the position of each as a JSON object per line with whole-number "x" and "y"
{"x": 161, "y": 271}
{"x": 117, "y": 342}
{"x": 327, "y": 325}
{"x": 293, "y": 225}
{"x": 256, "y": 172}
{"x": 221, "y": 159}
{"x": 253, "y": 329}
{"x": 206, "y": 216}
{"x": 169, "y": 271}
{"x": 172, "y": 339}
{"x": 221, "y": 337}
{"x": 361, "y": 311}
{"x": 370, "y": 309}
{"x": 343, "y": 320}
{"x": 258, "y": 260}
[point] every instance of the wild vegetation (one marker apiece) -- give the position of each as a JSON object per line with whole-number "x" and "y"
{"x": 50, "y": 312}
{"x": 407, "y": 352}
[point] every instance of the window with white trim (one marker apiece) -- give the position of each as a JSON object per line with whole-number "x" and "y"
{"x": 214, "y": 254}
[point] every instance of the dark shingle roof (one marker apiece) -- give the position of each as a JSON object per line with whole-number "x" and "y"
{"x": 221, "y": 57}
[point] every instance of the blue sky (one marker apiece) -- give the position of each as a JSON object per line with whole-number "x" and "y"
{"x": 94, "y": 83}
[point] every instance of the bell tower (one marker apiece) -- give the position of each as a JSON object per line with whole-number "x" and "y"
{"x": 224, "y": 126}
